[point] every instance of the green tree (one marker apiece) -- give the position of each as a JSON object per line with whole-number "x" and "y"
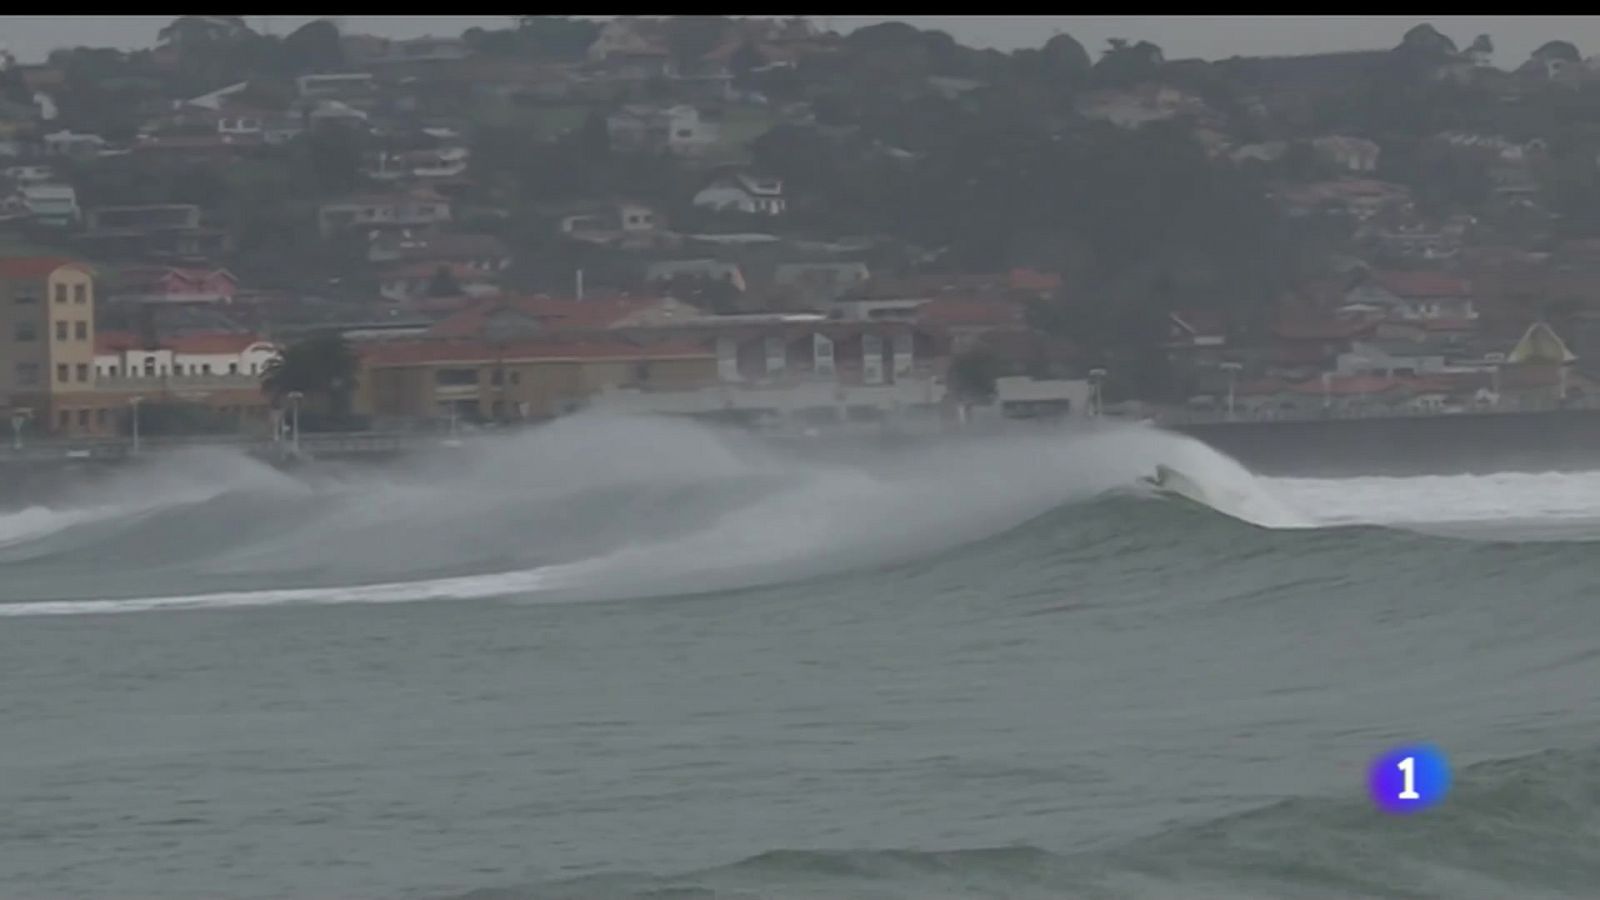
{"x": 322, "y": 367}
{"x": 313, "y": 47}
{"x": 557, "y": 37}
{"x": 973, "y": 373}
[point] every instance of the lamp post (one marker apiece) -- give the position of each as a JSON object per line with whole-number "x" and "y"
{"x": 1232, "y": 368}
{"x": 294, "y": 421}
{"x": 133, "y": 405}
{"x": 1096, "y": 376}
{"x": 18, "y": 419}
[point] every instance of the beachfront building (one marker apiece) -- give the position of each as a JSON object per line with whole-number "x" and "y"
{"x": 47, "y": 347}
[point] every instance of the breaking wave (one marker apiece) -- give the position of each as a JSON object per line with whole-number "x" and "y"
{"x": 602, "y": 507}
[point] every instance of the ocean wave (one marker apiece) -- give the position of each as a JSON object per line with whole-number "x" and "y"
{"x": 603, "y": 507}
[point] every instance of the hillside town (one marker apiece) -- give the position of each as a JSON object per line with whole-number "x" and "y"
{"x": 764, "y": 222}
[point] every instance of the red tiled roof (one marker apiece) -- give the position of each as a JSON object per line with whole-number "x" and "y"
{"x": 116, "y": 341}
{"x": 1423, "y": 284}
{"x": 33, "y": 267}
{"x": 957, "y": 312}
{"x": 1033, "y": 280}
{"x": 398, "y": 353}
{"x": 205, "y": 343}
{"x": 556, "y": 313}
{"x": 210, "y": 343}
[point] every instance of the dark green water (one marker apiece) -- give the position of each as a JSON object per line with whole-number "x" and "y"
{"x": 629, "y": 660}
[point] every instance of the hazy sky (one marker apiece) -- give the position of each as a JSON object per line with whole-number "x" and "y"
{"x": 1210, "y": 37}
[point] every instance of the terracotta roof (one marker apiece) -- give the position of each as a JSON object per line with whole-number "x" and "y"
{"x": 556, "y": 313}
{"x": 1033, "y": 280}
{"x": 116, "y": 341}
{"x": 1423, "y": 284}
{"x": 397, "y": 353}
{"x": 210, "y": 343}
{"x": 33, "y": 267}
{"x": 204, "y": 343}
{"x": 954, "y": 312}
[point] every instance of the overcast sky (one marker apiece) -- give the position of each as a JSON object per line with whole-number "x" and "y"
{"x": 1209, "y": 37}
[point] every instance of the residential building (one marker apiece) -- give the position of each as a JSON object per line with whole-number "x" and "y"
{"x": 706, "y": 269}
{"x": 680, "y": 130}
{"x": 1412, "y": 295}
{"x": 482, "y": 252}
{"x": 220, "y": 371}
{"x": 47, "y": 346}
{"x": 53, "y": 205}
{"x": 355, "y": 88}
{"x": 160, "y": 231}
{"x": 515, "y": 379}
{"x": 742, "y": 192}
{"x": 415, "y": 209}
{"x": 1352, "y": 154}
{"x": 803, "y": 368}
{"x": 172, "y": 284}
{"x": 821, "y": 281}
{"x": 73, "y": 145}
{"x": 621, "y": 224}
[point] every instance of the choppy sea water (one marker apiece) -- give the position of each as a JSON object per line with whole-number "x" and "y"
{"x": 636, "y": 659}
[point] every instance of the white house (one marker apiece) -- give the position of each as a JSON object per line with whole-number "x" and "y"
{"x": 680, "y": 129}
{"x": 71, "y": 143}
{"x": 55, "y": 205}
{"x": 120, "y": 355}
{"x": 743, "y": 193}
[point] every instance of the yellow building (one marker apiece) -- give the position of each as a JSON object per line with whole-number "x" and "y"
{"x": 47, "y": 371}
{"x": 527, "y": 379}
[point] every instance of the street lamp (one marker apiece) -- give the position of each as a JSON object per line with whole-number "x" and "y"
{"x": 294, "y": 421}
{"x": 18, "y": 419}
{"x": 133, "y": 404}
{"x": 1232, "y": 368}
{"x": 1096, "y": 376}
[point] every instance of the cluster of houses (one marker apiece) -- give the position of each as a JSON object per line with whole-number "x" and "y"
{"x": 1434, "y": 312}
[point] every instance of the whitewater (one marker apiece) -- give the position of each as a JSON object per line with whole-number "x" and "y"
{"x": 615, "y": 657}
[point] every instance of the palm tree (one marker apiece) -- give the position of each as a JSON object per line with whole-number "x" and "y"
{"x": 319, "y": 366}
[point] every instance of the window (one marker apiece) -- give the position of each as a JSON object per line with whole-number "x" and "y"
{"x": 497, "y": 377}
{"x": 61, "y": 293}
{"x": 233, "y": 368}
{"x": 83, "y": 418}
{"x": 80, "y": 293}
{"x": 516, "y": 377}
{"x": 149, "y": 367}
{"x": 62, "y": 372}
{"x": 254, "y": 367}
{"x": 204, "y": 370}
{"x": 100, "y": 417}
{"x": 24, "y": 332}
{"x": 83, "y": 371}
{"x": 27, "y": 374}
{"x": 24, "y": 299}
{"x": 61, "y": 331}
{"x": 80, "y": 331}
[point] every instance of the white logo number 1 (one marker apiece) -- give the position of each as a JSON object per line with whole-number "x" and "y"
{"x": 1409, "y": 766}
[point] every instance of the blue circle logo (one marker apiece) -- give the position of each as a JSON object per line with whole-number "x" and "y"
{"x": 1408, "y": 779}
